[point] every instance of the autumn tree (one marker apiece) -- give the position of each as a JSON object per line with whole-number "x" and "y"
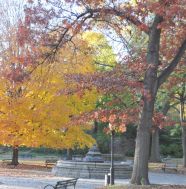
{"x": 162, "y": 21}
{"x": 13, "y": 59}
{"x": 25, "y": 96}
{"x": 38, "y": 95}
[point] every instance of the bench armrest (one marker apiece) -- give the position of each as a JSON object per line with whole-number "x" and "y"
{"x": 49, "y": 186}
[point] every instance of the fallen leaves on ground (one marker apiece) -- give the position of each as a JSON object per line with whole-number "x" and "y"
{"x": 24, "y": 170}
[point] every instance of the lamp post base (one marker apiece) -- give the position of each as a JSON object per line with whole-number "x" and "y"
{"x": 111, "y": 176}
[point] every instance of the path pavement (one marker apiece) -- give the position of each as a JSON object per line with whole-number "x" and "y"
{"x": 13, "y": 182}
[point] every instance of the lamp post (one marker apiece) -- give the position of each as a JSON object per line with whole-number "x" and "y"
{"x": 112, "y": 158}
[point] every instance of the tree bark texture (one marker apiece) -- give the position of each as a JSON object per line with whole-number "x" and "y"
{"x": 140, "y": 168}
{"x": 155, "y": 146}
{"x": 15, "y": 156}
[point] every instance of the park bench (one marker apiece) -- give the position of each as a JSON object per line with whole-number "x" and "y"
{"x": 63, "y": 184}
{"x": 50, "y": 162}
{"x": 6, "y": 161}
{"x": 170, "y": 166}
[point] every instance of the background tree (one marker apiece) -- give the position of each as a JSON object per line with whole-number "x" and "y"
{"x": 38, "y": 95}
{"x": 177, "y": 88}
{"x": 14, "y": 58}
{"x": 155, "y": 146}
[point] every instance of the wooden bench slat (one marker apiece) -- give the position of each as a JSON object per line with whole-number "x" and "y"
{"x": 170, "y": 166}
{"x": 50, "y": 162}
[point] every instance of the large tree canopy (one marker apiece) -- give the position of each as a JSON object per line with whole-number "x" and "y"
{"x": 55, "y": 23}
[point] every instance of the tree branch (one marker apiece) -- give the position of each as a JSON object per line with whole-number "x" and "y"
{"x": 102, "y": 64}
{"x": 122, "y": 14}
{"x": 175, "y": 108}
{"x": 167, "y": 71}
{"x": 173, "y": 105}
{"x": 120, "y": 99}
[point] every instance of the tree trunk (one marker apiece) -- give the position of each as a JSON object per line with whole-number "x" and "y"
{"x": 69, "y": 154}
{"x": 140, "y": 169}
{"x": 15, "y": 156}
{"x": 155, "y": 146}
{"x": 95, "y": 128}
{"x": 182, "y": 121}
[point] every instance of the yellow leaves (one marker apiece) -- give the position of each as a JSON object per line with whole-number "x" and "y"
{"x": 134, "y": 2}
{"x": 30, "y": 94}
{"x": 35, "y": 116}
{"x": 93, "y": 38}
{"x": 80, "y": 138}
{"x": 102, "y": 52}
{"x": 83, "y": 104}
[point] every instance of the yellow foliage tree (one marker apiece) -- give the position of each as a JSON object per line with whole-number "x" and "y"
{"x": 33, "y": 114}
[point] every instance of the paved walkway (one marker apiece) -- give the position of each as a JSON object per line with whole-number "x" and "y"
{"x": 13, "y": 182}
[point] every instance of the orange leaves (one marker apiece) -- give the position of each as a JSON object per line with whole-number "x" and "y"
{"x": 112, "y": 118}
{"x": 160, "y": 120}
{"x": 22, "y": 34}
{"x": 107, "y": 82}
{"x": 117, "y": 128}
{"x": 117, "y": 119}
{"x": 143, "y": 27}
{"x": 122, "y": 128}
{"x": 67, "y": 24}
